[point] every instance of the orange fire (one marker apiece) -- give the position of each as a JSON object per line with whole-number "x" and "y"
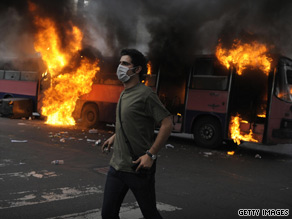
{"x": 230, "y": 152}
{"x": 261, "y": 115}
{"x": 66, "y": 85}
{"x": 242, "y": 55}
{"x": 149, "y": 66}
{"x": 149, "y": 72}
{"x": 235, "y": 131}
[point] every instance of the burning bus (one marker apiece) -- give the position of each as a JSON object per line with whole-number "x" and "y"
{"x": 20, "y": 87}
{"x": 239, "y": 94}
{"x": 74, "y": 84}
{"x": 242, "y": 93}
{"x": 99, "y": 105}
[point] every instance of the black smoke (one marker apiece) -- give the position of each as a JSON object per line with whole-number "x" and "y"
{"x": 166, "y": 31}
{"x": 175, "y": 31}
{"x": 18, "y": 29}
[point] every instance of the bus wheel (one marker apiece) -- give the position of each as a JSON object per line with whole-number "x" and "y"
{"x": 207, "y": 133}
{"x": 89, "y": 115}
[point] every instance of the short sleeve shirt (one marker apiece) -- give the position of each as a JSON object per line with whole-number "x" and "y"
{"x": 141, "y": 109}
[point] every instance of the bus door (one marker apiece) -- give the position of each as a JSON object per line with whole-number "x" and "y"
{"x": 172, "y": 79}
{"x": 248, "y": 106}
{"x": 279, "y": 128}
{"x": 207, "y": 102}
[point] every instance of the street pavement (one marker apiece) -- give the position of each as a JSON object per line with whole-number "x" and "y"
{"x": 191, "y": 182}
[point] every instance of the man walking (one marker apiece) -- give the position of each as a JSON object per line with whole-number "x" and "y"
{"x": 133, "y": 163}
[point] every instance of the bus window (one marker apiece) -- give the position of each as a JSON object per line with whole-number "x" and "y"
{"x": 202, "y": 82}
{"x": 1, "y": 74}
{"x": 283, "y": 89}
{"x": 204, "y": 67}
{"x": 209, "y": 75}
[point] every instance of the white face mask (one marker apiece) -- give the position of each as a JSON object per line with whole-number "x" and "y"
{"x": 122, "y": 73}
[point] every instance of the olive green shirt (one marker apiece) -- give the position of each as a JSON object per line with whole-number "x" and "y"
{"x": 141, "y": 109}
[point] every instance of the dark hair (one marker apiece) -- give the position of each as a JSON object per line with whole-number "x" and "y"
{"x": 138, "y": 59}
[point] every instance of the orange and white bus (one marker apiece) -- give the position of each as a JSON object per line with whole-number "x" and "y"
{"x": 215, "y": 103}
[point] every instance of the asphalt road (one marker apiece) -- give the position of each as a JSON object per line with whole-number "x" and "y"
{"x": 191, "y": 182}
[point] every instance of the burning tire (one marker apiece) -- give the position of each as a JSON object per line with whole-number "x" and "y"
{"x": 207, "y": 133}
{"x": 89, "y": 115}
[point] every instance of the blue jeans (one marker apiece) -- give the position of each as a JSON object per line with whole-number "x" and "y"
{"x": 118, "y": 184}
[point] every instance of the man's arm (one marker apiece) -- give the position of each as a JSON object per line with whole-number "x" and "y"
{"x": 108, "y": 143}
{"x": 163, "y": 134}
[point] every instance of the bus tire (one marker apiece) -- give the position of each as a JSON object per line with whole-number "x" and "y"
{"x": 207, "y": 133}
{"x": 89, "y": 115}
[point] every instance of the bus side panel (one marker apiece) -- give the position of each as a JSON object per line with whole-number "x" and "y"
{"x": 207, "y": 102}
{"x": 280, "y": 122}
{"x": 104, "y": 93}
{"x": 105, "y": 97}
{"x": 20, "y": 89}
{"x": 28, "y": 88}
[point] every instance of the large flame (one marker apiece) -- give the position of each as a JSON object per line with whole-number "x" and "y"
{"x": 66, "y": 85}
{"x": 235, "y": 131}
{"x": 242, "y": 55}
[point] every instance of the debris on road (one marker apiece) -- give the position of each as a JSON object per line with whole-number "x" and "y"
{"x": 257, "y": 156}
{"x": 21, "y": 123}
{"x": 92, "y": 136}
{"x": 19, "y": 141}
{"x": 34, "y": 174}
{"x": 92, "y": 131}
{"x": 169, "y": 146}
{"x": 98, "y": 142}
{"x": 110, "y": 125}
{"x": 42, "y": 174}
{"x": 207, "y": 154}
{"x": 56, "y": 162}
{"x": 90, "y": 140}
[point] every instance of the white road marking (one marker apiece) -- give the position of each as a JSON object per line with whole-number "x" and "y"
{"x": 25, "y": 198}
{"x": 5, "y": 162}
{"x": 40, "y": 174}
{"x": 8, "y": 162}
{"x": 128, "y": 210}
